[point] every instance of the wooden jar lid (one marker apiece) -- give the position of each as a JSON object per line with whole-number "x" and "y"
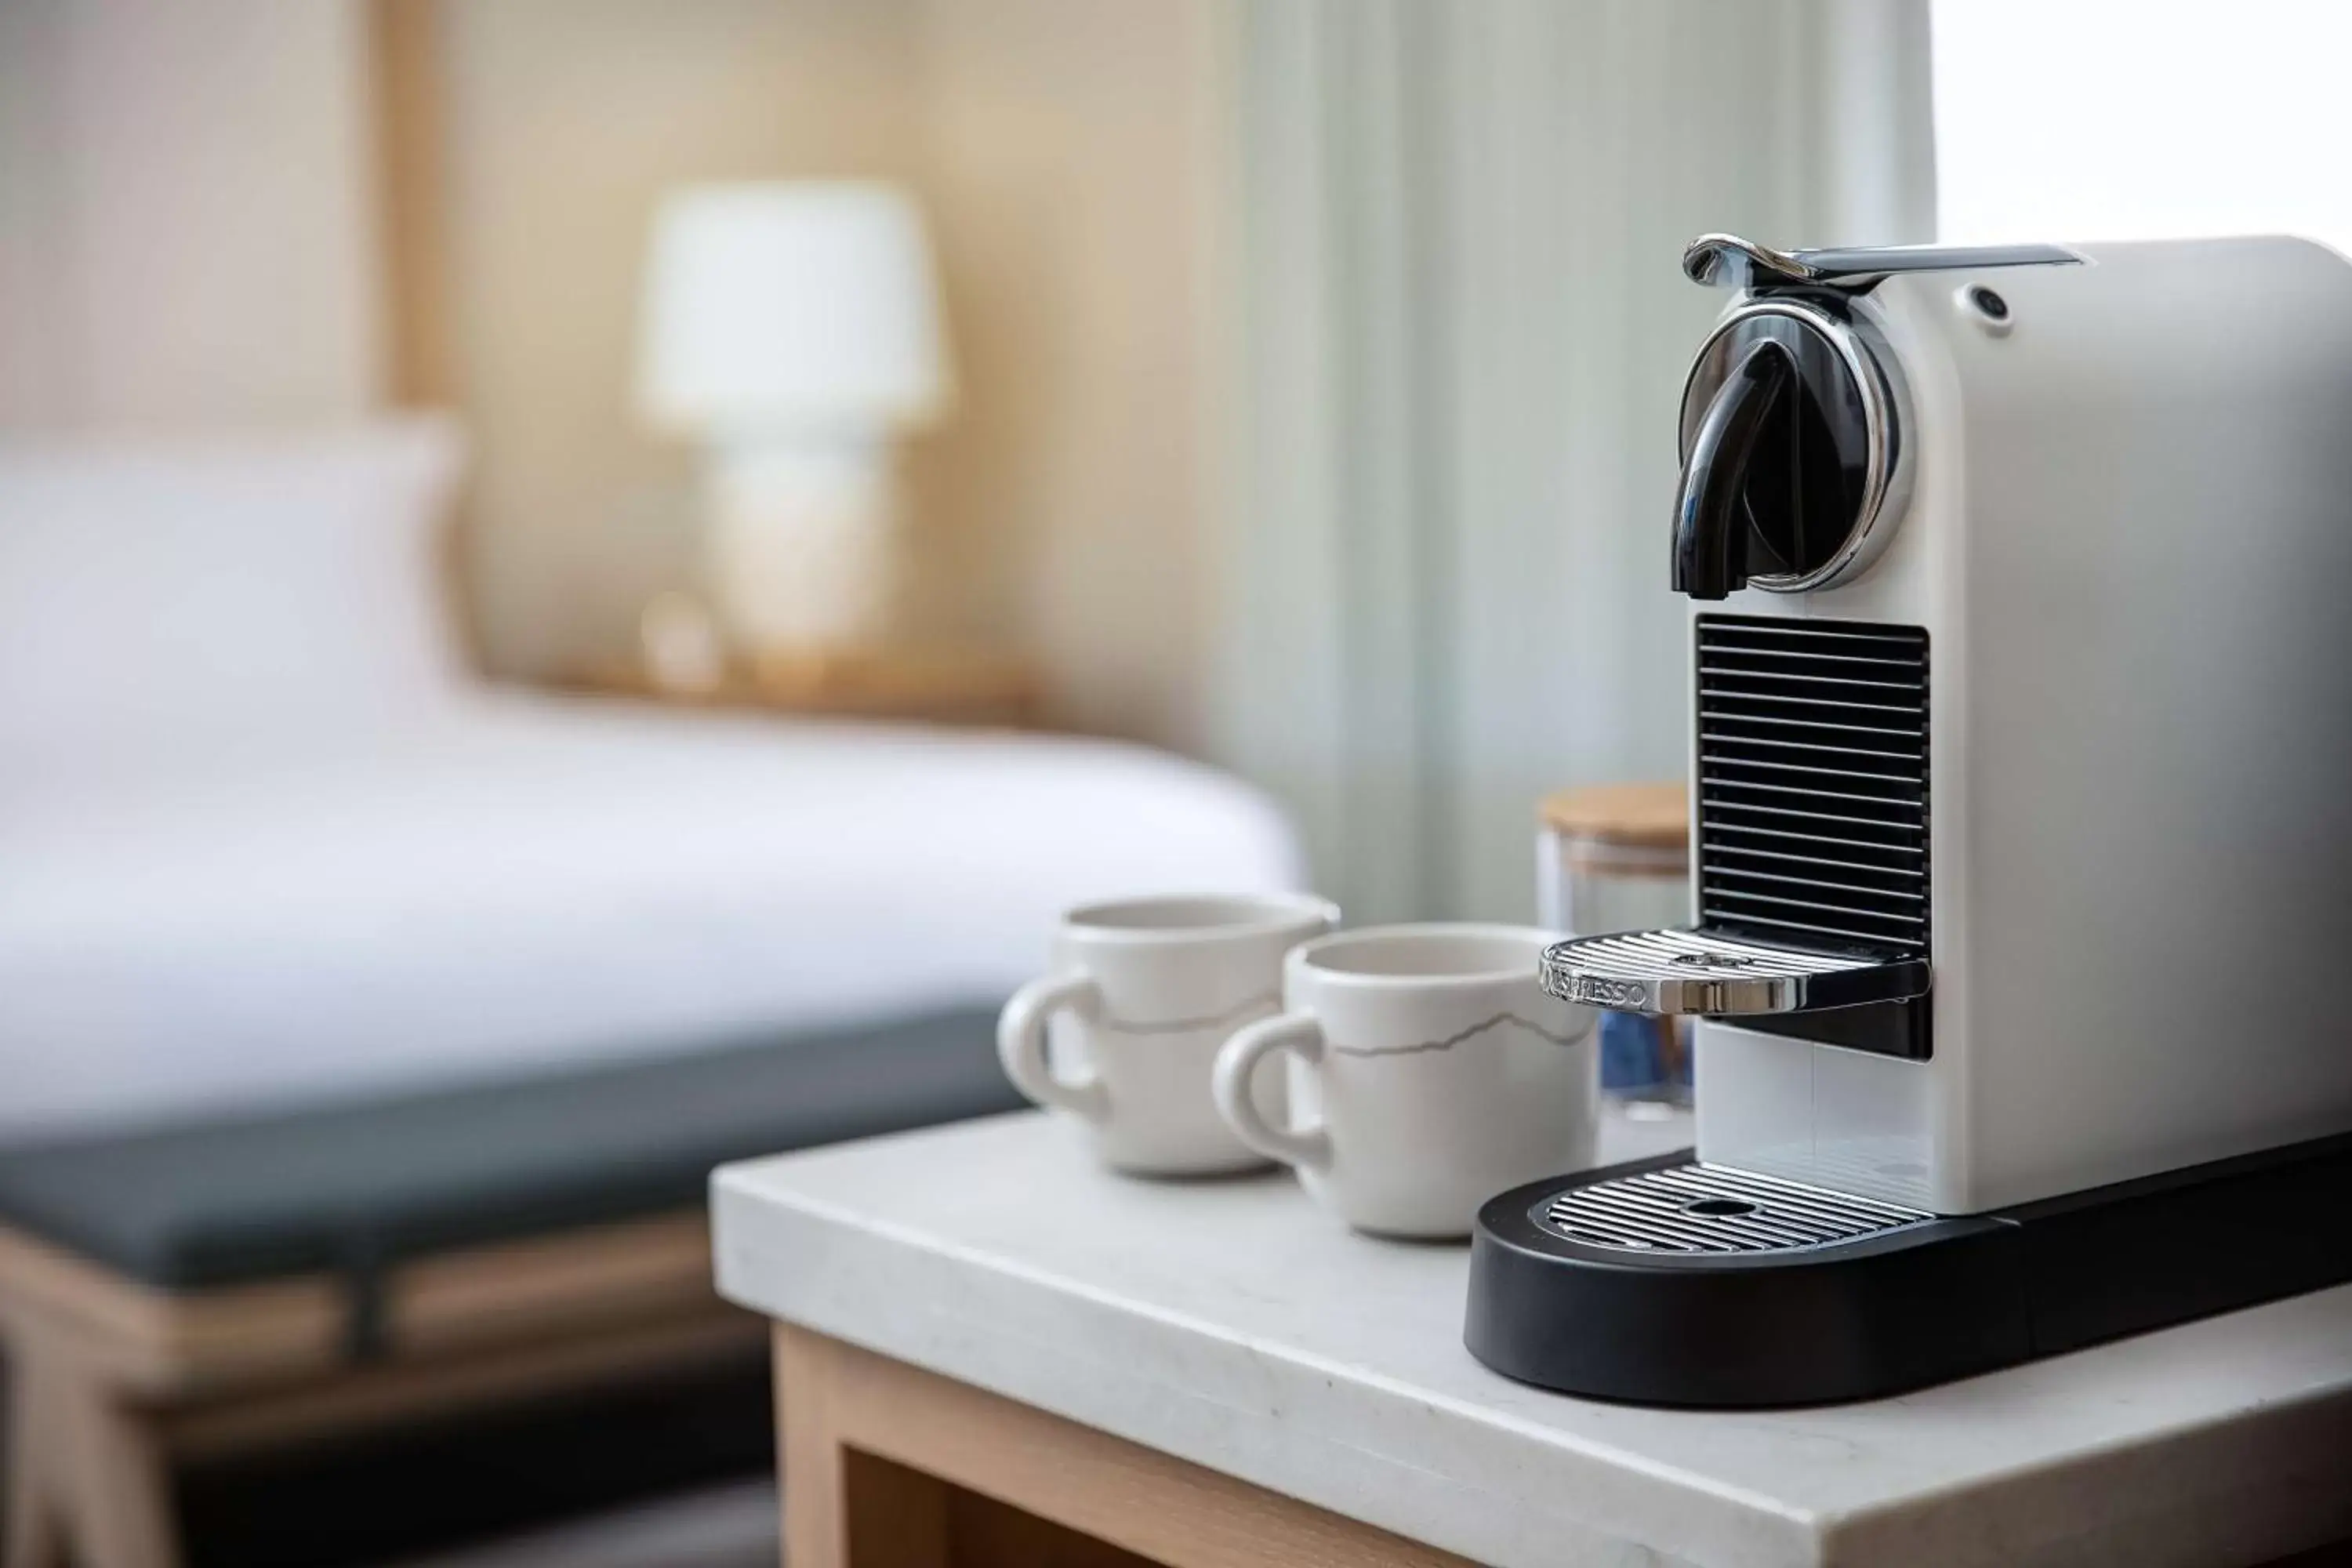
{"x": 1635, "y": 815}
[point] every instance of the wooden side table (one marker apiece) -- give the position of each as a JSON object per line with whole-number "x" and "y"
{"x": 991, "y": 1350}
{"x": 933, "y": 685}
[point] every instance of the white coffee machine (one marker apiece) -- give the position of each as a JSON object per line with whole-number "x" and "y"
{"x": 2022, "y": 827}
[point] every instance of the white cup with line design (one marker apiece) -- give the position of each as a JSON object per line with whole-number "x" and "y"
{"x": 1142, "y": 993}
{"x": 1428, "y": 1071}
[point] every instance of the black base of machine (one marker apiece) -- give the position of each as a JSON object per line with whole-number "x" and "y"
{"x": 1669, "y": 1282}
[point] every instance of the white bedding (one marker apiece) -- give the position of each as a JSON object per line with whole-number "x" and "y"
{"x": 504, "y": 882}
{"x": 263, "y": 842}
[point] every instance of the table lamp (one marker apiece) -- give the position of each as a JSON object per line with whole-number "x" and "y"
{"x": 792, "y": 327}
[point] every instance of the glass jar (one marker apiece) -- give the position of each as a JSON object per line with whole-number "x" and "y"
{"x": 1617, "y": 858}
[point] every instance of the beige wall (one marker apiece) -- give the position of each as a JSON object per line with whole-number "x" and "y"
{"x": 1069, "y": 149}
{"x": 185, "y": 219}
{"x": 1060, "y": 147}
{"x": 563, "y": 122}
{"x": 187, "y": 211}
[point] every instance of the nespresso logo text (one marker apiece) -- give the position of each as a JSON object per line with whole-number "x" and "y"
{"x": 1601, "y": 992}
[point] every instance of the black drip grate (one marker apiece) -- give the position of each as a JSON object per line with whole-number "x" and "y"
{"x": 1709, "y": 1209}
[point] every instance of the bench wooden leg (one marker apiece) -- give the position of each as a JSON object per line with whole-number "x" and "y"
{"x": 118, "y": 1483}
{"x": 32, "y": 1538}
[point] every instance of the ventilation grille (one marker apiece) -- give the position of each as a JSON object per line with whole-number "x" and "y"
{"x": 1813, "y": 780}
{"x": 1705, "y": 1208}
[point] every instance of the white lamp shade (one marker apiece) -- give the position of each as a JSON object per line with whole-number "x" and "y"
{"x": 791, "y": 309}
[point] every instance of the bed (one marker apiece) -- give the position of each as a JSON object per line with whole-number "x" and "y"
{"x": 266, "y": 842}
{"x": 365, "y": 1031}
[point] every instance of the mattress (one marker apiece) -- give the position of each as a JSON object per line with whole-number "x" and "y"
{"x": 516, "y": 883}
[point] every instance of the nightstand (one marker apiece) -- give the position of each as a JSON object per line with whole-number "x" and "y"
{"x": 933, "y": 685}
{"x": 990, "y": 1349}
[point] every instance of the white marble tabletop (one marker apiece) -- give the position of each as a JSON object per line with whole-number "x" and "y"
{"x": 1236, "y": 1325}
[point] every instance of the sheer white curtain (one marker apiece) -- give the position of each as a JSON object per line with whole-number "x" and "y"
{"x": 1463, "y": 332}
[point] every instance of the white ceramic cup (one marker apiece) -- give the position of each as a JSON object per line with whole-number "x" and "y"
{"x": 1430, "y": 1070}
{"x": 1142, "y": 994}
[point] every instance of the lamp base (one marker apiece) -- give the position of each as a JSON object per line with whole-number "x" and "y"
{"x": 802, "y": 543}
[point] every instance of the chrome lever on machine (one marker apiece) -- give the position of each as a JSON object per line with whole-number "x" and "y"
{"x": 1708, "y": 974}
{"x": 1728, "y": 261}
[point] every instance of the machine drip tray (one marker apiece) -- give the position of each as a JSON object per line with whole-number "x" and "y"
{"x": 1671, "y": 1282}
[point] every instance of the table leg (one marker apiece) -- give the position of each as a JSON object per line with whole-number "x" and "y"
{"x": 843, "y": 1508}
{"x": 808, "y": 1461}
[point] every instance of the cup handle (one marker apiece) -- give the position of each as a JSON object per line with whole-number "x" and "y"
{"x": 1237, "y": 1060}
{"x": 1020, "y": 1044}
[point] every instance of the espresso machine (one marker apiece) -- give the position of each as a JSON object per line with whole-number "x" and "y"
{"x": 2021, "y": 754}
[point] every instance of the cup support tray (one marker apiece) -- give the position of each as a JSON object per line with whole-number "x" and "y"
{"x": 1671, "y": 1282}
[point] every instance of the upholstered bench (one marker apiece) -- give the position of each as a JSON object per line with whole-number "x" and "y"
{"x": 235, "y": 1283}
